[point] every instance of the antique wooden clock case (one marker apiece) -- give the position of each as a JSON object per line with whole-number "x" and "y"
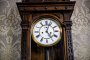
{"x": 31, "y": 11}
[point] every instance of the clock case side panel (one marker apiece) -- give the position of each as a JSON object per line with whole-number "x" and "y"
{"x": 69, "y": 44}
{"x": 70, "y": 54}
{"x": 25, "y": 38}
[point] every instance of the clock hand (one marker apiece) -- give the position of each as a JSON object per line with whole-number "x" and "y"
{"x": 47, "y": 29}
{"x": 48, "y": 26}
{"x": 49, "y": 34}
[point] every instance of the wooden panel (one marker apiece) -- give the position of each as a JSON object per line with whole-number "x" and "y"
{"x": 44, "y": 0}
{"x": 37, "y": 53}
{"x": 55, "y": 53}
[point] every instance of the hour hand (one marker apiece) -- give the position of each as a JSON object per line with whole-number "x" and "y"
{"x": 49, "y": 34}
{"x": 47, "y": 29}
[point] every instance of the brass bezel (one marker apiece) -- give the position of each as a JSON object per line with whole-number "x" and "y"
{"x": 53, "y": 19}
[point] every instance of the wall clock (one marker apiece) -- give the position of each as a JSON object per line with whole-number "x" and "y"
{"x": 46, "y": 31}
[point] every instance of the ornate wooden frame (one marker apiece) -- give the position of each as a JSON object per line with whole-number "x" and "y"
{"x": 61, "y": 10}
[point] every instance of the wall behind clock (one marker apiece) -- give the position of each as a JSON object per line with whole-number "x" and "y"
{"x": 81, "y": 30}
{"x": 10, "y": 30}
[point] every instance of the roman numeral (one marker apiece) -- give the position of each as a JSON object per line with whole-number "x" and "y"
{"x": 56, "y": 31}
{"x": 50, "y": 23}
{"x": 37, "y": 27}
{"x": 54, "y": 26}
{"x": 41, "y": 23}
{"x": 41, "y": 40}
{"x": 52, "y": 39}
{"x": 36, "y": 31}
{"x": 46, "y": 41}
{"x": 37, "y": 36}
{"x": 46, "y": 22}
{"x": 55, "y": 36}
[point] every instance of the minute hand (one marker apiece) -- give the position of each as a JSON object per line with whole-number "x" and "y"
{"x": 48, "y": 29}
{"x": 48, "y": 26}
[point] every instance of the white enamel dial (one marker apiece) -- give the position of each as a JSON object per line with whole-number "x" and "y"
{"x": 46, "y": 32}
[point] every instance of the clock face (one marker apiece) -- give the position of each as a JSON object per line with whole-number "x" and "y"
{"x": 46, "y": 32}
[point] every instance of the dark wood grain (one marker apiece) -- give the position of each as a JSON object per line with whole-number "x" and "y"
{"x": 43, "y": 0}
